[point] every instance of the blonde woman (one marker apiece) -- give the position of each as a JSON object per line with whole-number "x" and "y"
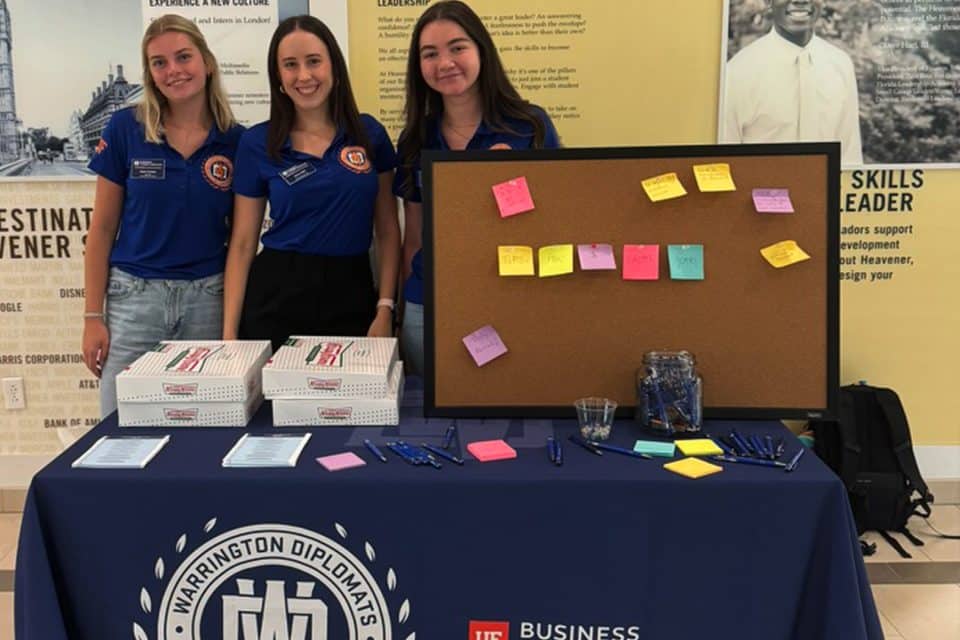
{"x": 156, "y": 247}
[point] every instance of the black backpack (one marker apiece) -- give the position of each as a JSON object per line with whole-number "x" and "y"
{"x": 869, "y": 447}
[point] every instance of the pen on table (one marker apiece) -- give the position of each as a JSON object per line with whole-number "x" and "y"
{"x": 622, "y": 450}
{"x": 742, "y": 444}
{"x": 779, "y": 451}
{"x": 589, "y": 446}
{"x": 374, "y": 450}
{"x": 551, "y": 449}
{"x": 446, "y": 455}
{"x": 757, "y": 461}
{"x": 558, "y": 453}
{"x": 795, "y": 460}
{"x": 727, "y": 449}
{"x": 757, "y": 443}
{"x": 401, "y": 451}
{"x": 733, "y": 446}
{"x": 771, "y": 449}
{"x": 448, "y": 436}
{"x": 433, "y": 462}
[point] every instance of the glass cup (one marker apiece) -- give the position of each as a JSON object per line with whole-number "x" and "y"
{"x": 595, "y": 417}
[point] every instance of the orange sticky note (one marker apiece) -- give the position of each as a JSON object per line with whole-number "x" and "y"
{"x": 513, "y": 197}
{"x": 490, "y": 450}
{"x": 641, "y": 262}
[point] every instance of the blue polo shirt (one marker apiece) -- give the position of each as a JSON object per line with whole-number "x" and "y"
{"x": 318, "y": 205}
{"x": 176, "y": 212}
{"x": 483, "y": 138}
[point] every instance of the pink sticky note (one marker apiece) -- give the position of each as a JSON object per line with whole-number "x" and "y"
{"x": 772, "y": 201}
{"x": 596, "y": 256}
{"x": 484, "y": 345}
{"x": 513, "y": 197}
{"x": 341, "y": 461}
{"x": 490, "y": 450}
{"x": 641, "y": 262}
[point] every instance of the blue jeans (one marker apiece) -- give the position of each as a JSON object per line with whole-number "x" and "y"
{"x": 411, "y": 338}
{"x": 140, "y": 313}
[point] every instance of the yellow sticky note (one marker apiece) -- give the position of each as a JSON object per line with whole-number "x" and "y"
{"x": 714, "y": 177}
{"x": 515, "y": 260}
{"x": 693, "y": 467}
{"x": 699, "y": 447}
{"x": 556, "y": 260}
{"x": 663, "y": 187}
{"x": 783, "y": 254}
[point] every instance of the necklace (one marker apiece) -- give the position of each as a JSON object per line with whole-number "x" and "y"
{"x": 457, "y": 131}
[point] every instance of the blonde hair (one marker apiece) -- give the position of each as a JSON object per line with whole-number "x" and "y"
{"x": 150, "y": 108}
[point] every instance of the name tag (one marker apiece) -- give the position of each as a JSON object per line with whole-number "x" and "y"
{"x": 297, "y": 172}
{"x": 148, "y": 169}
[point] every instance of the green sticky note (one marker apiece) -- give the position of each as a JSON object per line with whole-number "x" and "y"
{"x": 655, "y": 448}
{"x": 686, "y": 261}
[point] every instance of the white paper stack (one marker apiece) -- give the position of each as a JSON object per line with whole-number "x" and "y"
{"x": 212, "y": 383}
{"x": 333, "y": 380}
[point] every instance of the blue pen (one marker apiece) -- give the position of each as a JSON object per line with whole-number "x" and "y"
{"x": 374, "y": 450}
{"x": 768, "y": 443}
{"x": 733, "y": 446}
{"x": 448, "y": 436}
{"x": 558, "y": 450}
{"x": 586, "y": 444}
{"x": 626, "y": 452}
{"x": 726, "y": 448}
{"x": 757, "y": 443}
{"x": 795, "y": 460}
{"x": 742, "y": 444}
{"x": 552, "y": 449}
{"x": 779, "y": 447}
{"x": 400, "y": 451}
{"x": 756, "y": 461}
{"x": 446, "y": 455}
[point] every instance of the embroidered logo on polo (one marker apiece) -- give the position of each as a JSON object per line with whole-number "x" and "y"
{"x": 218, "y": 172}
{"x": 355, "y": 159}
{"x": 272, "y": 581}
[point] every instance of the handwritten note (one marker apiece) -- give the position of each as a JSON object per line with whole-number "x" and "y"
{"x": 784, "y": 254}
{"x": 772, "y": 201}
{"x": 714, "y": 177}
{"x": 515, "y": 260}
{"x": 686, "y": 261}
{"x": 641, "y": 262}
{"x": 556, "y": 260}
{"x": 513, "y": 197}
{"x": 596, "y": 256}
{"x": 663, "y": 187}
{"x": 484, "y": 345}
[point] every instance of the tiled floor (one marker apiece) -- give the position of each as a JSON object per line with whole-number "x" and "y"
{"x": 918, "y": 598}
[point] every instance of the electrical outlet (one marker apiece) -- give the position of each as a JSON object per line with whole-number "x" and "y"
{"x": 13, "y": 397}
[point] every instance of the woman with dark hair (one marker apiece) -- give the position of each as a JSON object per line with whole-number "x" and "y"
{"x": 458, "y": 97}
{"x": 326, "y": 171}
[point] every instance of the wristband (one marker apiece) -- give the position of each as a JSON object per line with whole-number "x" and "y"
{"x": 386, "y": 302}
{"x": 93, "y": 314}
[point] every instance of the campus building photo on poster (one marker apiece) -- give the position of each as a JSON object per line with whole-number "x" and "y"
{"x": 880, "y": 76}
{"x": 67, "y": 65}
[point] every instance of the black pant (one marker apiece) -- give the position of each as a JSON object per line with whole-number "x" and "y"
{"x": 291, "y": 293}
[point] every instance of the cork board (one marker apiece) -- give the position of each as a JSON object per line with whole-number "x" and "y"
{"x": 765, "y": 339}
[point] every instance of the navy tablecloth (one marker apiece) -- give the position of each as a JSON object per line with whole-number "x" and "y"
{"x": 602, "y": 548}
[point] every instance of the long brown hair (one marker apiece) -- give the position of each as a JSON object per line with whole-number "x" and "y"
{"x": 500, "y": 101}
{"x": 342, "y": 105}
{"x": 151, "y": 106}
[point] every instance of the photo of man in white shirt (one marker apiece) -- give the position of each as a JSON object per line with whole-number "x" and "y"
{"x": 792, "y": 86}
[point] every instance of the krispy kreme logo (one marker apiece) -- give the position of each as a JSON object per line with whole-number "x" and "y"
{"x": 328, "y": 354}
{"x": 175, "y": 389}
{"x": 181, "y": 415}
{"x": 324, "y": 384}
{"x": 335, "y": 413}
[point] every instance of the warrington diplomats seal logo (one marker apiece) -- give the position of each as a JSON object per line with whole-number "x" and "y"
{"x": 272, "y": 582}
{"x": 218, "y": 172}
{"x": 355, "y": 159}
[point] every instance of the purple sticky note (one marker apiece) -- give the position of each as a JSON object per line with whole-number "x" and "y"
{"x": 484, "y": 345}
{"x": 341, "y": 461}
{"x": 772, "y": 201}
{"x": 641, "y": 262}
{"x": 596, "y": 256}
{"x": 513, "y": 197}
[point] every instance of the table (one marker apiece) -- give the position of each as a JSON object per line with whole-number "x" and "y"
{"x": 602, "y": 548}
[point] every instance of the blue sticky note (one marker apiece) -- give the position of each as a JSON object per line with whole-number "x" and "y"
{"x": 655, "y": 448}
{"x": 686, "y": 261}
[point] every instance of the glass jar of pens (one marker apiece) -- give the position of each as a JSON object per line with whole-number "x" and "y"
{"x": 669, "y": 393}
